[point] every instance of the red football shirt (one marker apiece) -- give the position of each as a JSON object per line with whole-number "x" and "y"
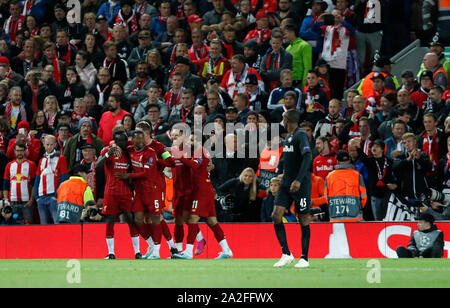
{"x": 116, "y": 164}
{"x": 145, "y": 172}
{"x": 200, "y": 174}
{"x": 181, "y": 175}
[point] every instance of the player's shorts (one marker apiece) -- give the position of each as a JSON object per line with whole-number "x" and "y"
{"x": 151, "y": 202}
{"x": 203, "y": 205}
{"x": 115, "y": 204}
{"x": 180, "y": 204}
{"x": 302, "y": 198}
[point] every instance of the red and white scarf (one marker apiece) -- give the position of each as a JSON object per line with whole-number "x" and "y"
{"x": 431, "y": 147}
{"x": 101, "y": 94}
{"x": 13, "y": 26}
{"x": 131, "y": 23}
{"x": 333, "y": 43}
{"x": 197, "y": 53}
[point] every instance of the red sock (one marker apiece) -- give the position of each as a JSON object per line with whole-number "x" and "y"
{"x": 179, "y": 233}
{"x": 192, "y": 233}
{"x": 218, "y": 232}
{"x": 157, "y": 234}
{"x": 166, "y": 230}
{"x": 143, "y": 231}
{"x": 133, "y": 230}
{"x": 109, "y": 230}
{"x": 149, "y": 228}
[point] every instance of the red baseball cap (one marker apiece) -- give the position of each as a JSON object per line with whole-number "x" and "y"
{"x": 194, "y": 18}
{"x": 23, "y": 124}
{"x": 261, "y": 14}
{"x": 4, "y": 60}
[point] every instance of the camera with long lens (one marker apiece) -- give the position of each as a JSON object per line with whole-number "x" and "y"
{"x": 7, "y": 210}
{"x": 437, "y": 196}
{"x": 226, "y": 202}
{"x": 91, "y": 212}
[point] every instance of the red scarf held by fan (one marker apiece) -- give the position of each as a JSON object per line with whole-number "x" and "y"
{"x": 273, "y": 84}
{"x": 431, "y": 149}
{"x": 131, "y": 23}
{"x": 34, "y": 97}
{"x": 57, "y": 70}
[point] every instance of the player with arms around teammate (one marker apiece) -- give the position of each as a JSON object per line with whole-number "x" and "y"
{"x": 295, "y": 187}
{"x": 118, "y": 194}
{"x": 203, "y": 202}
{"x": 149, "y": 194}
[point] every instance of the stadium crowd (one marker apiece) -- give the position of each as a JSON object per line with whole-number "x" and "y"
{"x": 68, "y": 79}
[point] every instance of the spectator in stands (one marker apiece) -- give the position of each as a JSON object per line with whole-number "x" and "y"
{"x": 324, "y": 163}
{"x": 274, "y": 61}
{"x": 153, "y": 116}
{"x": 394, "y": 145}
{"x": 62, "y": 135}
{"x": 267, "y": 204}
{"x": 152, "y": 98}
{"x": 326, "y": 126}
{"x": 118, "y": 68}
{"x": 136, "y": 89}
{"x": 290, "y": 102}
{"x": 369, "y": 28}
{"x": 373, "y": 103}
{"x": 190, "y": 81}
{"x": 408, "y": 81}
{"x": 411, "y": 168}
{"x": 39, "y": 127}
{"x": 184, "y": 112}
{"x": 85, "y": 69}
{"x": 257, "y": 97}
{"x": 51, "y": 172}
{"x": 246, "y": 207}
{"x": 35, "y": 90}
{"x": 72, "y": 149}
{"x": 337, "y": 33}
{"x": 111, "y": 118}
{"x": 33, "y": 145}
{"x": 72, "y": 88}
{"x": 420, "y": 96}
{"x": 318, "y": 8}
{"x": 214, "y": 63}
{"x": 276, "y": 96}
{"x": 18, "y": 182}
{"x": 387, "y": 101}
{"x": 436, "y": 105}
{"x": 109, "y": 10}
{"x": 434, "y": 143}
{"x": 385, "y": 129}
{"x": 301, "y": 55}
{"x": 431, "y": 63}
{"x": 315, "y": 98}
{"x": 102, "y": 87}
{"x": 51, "y": 109}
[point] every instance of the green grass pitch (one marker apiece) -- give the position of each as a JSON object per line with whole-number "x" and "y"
{"x": 230, "y": 273}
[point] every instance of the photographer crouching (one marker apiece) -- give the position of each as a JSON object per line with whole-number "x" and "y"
{"x": 7, "y": 216}
{"x": 91, "y": 213}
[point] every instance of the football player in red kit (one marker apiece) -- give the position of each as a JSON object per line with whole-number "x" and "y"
{"x": 148, "y": 191}
{"x": 182, "y": 191}
{"x": 164, "y": 159}
{"x": 118, "y": 193}
{"x": 203, "y": 205}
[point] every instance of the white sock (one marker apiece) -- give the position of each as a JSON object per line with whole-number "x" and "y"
{"x": 150, "y": 241}
{"x": 223, "y": 243}
{"x": 156, "y": 250}
{"x": 179, "y": 246}
{"x": 110, "y": 243}
{"x": 135, "y": 241}
{"x": 199, "y": 236}
{"x": 171, "y": 243}
{"x": 189, "y": 249}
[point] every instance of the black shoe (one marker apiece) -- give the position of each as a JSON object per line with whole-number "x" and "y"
{"x": 173, "y": 251}
{"x": 110, "y": 257}
{"x": 138, "y": 256}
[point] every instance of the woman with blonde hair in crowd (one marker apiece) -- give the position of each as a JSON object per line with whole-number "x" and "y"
{"x": 243, "y": 190}
{"x": 51, "y": 109}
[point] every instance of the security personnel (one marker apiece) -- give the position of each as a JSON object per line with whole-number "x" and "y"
{"x": 345, "y": 191}
{"x": 72, "y": 195}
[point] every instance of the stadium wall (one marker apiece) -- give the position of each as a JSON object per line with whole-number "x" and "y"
{"x": 355, "y": 240}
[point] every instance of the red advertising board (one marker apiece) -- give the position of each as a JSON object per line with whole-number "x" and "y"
{"x": 355, "y": 240}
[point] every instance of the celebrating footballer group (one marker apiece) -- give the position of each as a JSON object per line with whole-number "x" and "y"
{"x": 135, "y": 187}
